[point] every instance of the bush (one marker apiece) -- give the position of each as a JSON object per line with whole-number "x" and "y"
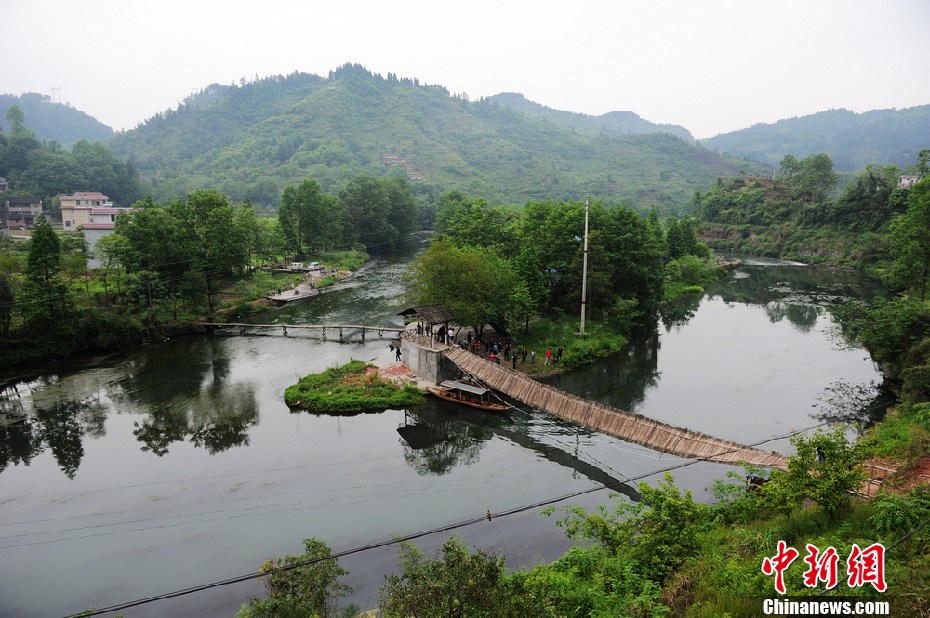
{"x": 351, "y": 388}
{"x": 301, "y": 586}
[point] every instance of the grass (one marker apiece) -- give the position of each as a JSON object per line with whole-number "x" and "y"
{"x": 355, "y": 387}
{"x": 598, "y": 342}
{"x": 343, "y": 260}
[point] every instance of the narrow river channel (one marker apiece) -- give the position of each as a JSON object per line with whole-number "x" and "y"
{"x": 178, "y": 464}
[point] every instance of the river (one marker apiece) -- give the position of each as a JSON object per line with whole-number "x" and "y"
{"x": 178, "y": 464}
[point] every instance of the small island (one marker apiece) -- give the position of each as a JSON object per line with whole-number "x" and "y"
{"x": 352, "y": 388}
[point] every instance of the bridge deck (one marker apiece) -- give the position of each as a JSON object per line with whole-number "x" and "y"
{"x": 612, "y": 421}
{"x": 386, "y": 329}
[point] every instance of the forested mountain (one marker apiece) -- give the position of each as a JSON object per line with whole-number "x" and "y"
{"x": 610, "y": 124}
{"x": 852, "y": 140}
{"x": 53, "y": 121}
{"x": 253, "y": 139}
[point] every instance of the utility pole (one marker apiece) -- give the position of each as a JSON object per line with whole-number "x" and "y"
{"x": 584, "y": 268}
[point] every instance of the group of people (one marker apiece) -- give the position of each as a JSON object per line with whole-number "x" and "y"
{"x": 500, "y": 351}
{"x": 509, "y": 350}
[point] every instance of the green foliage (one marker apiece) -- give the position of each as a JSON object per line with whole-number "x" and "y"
{"x": 457, "y": 583}
{"x": 301, "y": 586}
{"x": 310, "y": 219}
{"x": 910, "y": 241}
{"x": 893, "y": 331}
{"x": 825, "y": 468}
{"x": 588, "y": 581}
{"x": 351, "y": 388}
{"x": 55, "y": 121}
{"x": 352, "y": 122}
{"x": 656, "y": 534}
{"x": 904, "y": 433}
{"x": 7, "y": 302}
{"x": 853, "y": 140}
{"x": 897, "y": 514}
{"x": 473, "y": 282}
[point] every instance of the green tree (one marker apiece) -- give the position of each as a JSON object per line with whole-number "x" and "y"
{"x": 368, "y": 205}
{"x": 825, "y": 468}
{"x": 44, "y": 260}
{"x": 910, "y": 240}
{"x": 15, "y": 117}
{"x": 866, "y": 204}
{"x": 111, "y": 250}
{"x": 816, "y": 177}
{"x": 657, "y": 534}
{"x": 456, "y": 584}
{"x": 473, "y": 283}
{"x": 154, "y": 244}
{"x": 310, "y": 218}
{"x": 207, "y": 231}
{"x": 301, "y": 586}
{"x": 47, "y": 294}
{"x": 7, "y": 303}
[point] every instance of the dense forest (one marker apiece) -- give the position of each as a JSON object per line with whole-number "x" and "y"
{"x": 166, "y": 264}
{"x": 852, "y": 140}
{"x": 795, "y": 215}
{"x": 609, "y": 124}
{"x": 252, "y": 139}
{"x": 54, "y": 122}
{"x": 45, "y": 170}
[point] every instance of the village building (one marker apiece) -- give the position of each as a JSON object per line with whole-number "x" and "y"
{"x": 19, "y": 213}
{"x": 907, "y": 181}
{"x": 76, "y": 209}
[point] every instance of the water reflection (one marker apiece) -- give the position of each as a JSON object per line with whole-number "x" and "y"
{"x": 678, "y": 312}
{"x": 217, "y": 419}
{"x": 620, "y": 380}
{"x": 438, "y": 436}
{"x": 435, "y": 439}
{"x": 18, "y": 444}
{"x": 859, "y": 406}
{"x": 794, "y": 293}
{"x": 60, "y": 427}
{"x": 190, "y": 400}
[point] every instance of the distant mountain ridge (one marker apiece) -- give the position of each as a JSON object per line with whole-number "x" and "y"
{"x": 853, "y": 140}
{"x": 611, "y": 124}
{"x": 253, "y": 139}
{"x": 54, "y": 121}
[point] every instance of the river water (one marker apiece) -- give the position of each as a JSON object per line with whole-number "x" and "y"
{"x": 178, "y": 464}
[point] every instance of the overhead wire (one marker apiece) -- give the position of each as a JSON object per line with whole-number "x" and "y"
{"x": 446, "y": 528}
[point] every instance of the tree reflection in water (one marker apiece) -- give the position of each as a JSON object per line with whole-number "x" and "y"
{"x": 435, "y": 440}
{"x": 218, "y": 419}
{"x": 437, "y": 436}
{"x": 190, "y": 400}
{"x": 60, "y": 427}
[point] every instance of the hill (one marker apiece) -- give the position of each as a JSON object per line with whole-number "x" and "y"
{"x": 53, "y": 121}
{"x": 853, "y": 140}
{"x": 610, "y": 124}
{"x": 253, "y": 139}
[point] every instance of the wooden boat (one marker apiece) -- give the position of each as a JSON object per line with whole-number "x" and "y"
{"x": 467, "y": 394}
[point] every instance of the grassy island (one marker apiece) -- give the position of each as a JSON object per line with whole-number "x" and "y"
{"x": 354, "y": 387}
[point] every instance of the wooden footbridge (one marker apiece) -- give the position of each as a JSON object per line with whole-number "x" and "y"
{"x": 612, "y": 421}
{"x": 333, "y": 328}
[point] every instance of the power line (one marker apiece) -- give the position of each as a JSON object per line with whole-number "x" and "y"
{"x": 417, "y": 535}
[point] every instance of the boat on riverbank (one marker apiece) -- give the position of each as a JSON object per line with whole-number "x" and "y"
{"x": 467, "y": 394}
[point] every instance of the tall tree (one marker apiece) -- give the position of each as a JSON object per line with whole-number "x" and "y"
{"x": 475, "y": 284}
{"x": 7, "y": 303}
{"x": 910, "y": 238}
{"x": 48, "y": 296}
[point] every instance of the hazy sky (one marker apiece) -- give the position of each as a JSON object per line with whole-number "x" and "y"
{"x": 711, "y": 66}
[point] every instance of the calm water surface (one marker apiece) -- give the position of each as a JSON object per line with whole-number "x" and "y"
{"x": 179, "y": 464}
